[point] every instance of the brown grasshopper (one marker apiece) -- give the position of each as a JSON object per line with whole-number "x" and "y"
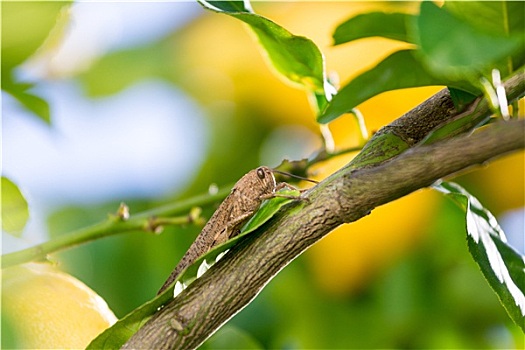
{"x": 243, "y": 201}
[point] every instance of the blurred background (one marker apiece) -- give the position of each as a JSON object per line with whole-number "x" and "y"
{"x": 150, "y": 103}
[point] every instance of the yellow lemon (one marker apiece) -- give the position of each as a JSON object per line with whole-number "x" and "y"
{"x": 49, "y": 309}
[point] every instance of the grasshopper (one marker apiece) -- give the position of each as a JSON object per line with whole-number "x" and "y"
{"x": 243, "y": 201}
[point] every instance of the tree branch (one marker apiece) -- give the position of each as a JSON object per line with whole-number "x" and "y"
{"x": 345, "y": 196}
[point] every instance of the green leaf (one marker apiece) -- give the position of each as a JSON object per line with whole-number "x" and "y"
{"x": 118, "y": 334}
{"x": 386, "y": 25}
{"x": 502, "y": 266}
{"x": 498, "y": 17}
{"x": 398, "y": 71}
{"x": 15, "y": 211}
{"x": 295, "y": 58}
{"x": 451, "y": 53}
{"x": 460, "y": 98}
{"x": 452, "y": 47}
{"x": 464, "y": 122}
{"x": 228, "y": 6}
{"x": 503, "y": 18}
{"x": 126, "y": 67}
{"x": 31, "y": 102}
{"x": 25, "y": 27}
{"x": 268, "y": 209}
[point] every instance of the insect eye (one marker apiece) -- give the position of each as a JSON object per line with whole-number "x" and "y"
{"x": 260, "y": 173}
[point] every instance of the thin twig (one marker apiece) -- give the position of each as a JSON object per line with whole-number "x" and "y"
{"x": 147, "y": 221}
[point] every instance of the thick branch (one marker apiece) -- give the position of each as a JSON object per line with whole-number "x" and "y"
{"x": 415, "y": 125}
{"x": 346, "y": 196}
{"x": 435, "y": 113}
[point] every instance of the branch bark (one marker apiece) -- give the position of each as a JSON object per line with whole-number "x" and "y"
{"x": 346, "y": 196}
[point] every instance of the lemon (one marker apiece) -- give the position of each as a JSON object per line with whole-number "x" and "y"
{"x": 47, "y": 308}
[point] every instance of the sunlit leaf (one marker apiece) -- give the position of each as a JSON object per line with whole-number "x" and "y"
{"x": 398, "y": 71}
{"x": 115, "y": 336}
{"x": 503, "y": 18}
{"x": 386, "y": 25}
{"x": 25, "y": 27}
{"x": 268, "y": 209}
{"x": 228, "y": 6}
{"x": 502, "y": 266}
{"x": 450, "y": 53}
{"x": 15, "y": 211}
{"x": 498, "y": 17}
{"x": 451, "y": 46}
{"x": 295, "y": 58}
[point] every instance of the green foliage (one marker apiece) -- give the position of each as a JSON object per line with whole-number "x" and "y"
{"x": 450, "y": 51}
{"x": 33, "y": 103}
{"x": 386, "y": 25}
{"x": 398, "y": 71}
{"x": 295, "y": 58}
{"x": 498, "y": 18}
{"x": 461, "y": 98}
{"x": 461, "y": 124}
{"x": 15, "y": 210}
{"x": 25, "y": 27}
{"x": 130, "y": 66}
{"x": 452, "y": 47}
{"x": 20, "y": 40}
{"x": 501, "y": 265}
{"x": 227, "y": 6}
{"x": 268, "y": 209}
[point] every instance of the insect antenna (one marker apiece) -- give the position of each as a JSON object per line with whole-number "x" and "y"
{"x": 295, "y": 176}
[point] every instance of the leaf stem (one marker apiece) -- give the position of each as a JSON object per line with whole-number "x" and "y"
{"x": 323, "y": 155}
